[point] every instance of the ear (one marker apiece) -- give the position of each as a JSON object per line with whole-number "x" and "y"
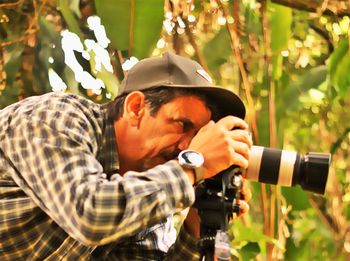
{"x": 134, "y": 107}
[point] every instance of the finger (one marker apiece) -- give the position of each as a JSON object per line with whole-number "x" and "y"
{"x": 241, "y": 148}
{"x": 240, "y": 160}
{"x": 243, "y": 208}
{"x": 232, "y": 122}
{"x": 246, "y": 192}
{"x": 207, "y": 126}
{"x": 243, "y": 136}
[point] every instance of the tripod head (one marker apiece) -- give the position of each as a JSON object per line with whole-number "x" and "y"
{"x": 217, "y": 201}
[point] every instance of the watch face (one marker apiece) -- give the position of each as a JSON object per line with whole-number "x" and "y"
{"x": 191, "y": 158}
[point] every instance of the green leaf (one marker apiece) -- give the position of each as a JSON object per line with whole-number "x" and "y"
{"x": 280, "y": 24}
{"x": 221, "y": 44}
{"x": 109, "y": 79}
{"x": 277, "y": 66}
{"x": 75, "y": 7}
{"x": 48, "y": 47}
{"x": 294, "y": 252}
{"x": 72, "y": 84}
{"x": 12, "y": 61}
{"x": 249, "y": 251}
{"x": 9, "y": 95}
{"x": 341, "y": 76}
{"x": 50, "y": 41}
{"x": 296, "y": 197}
{"x": 69, "y": 16}
{"x": 312, "y": 79}
{"x": 338, "y": 66}
{"x": 13, "y": 58}
{"x": 132, "y": 25}
{"x": 336, "y": 57}
{"x": 263, "y": 122}
{"x": 243, "y": 233}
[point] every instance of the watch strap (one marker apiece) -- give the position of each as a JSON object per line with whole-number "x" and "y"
{"x": 198, "y": 172}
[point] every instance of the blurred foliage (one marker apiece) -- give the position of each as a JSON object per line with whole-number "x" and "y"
{"x": 290, "y": 64}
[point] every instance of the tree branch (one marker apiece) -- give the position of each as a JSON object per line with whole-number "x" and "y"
{"x": 20, "y": 39}
{"x": 192, "y": 41}
{"x": 235, "y": 43}
{"x": 10, "y": 5}
{"x": 332, "y": 8}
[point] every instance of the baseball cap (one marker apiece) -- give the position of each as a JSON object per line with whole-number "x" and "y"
{"x": 172, "y": 70}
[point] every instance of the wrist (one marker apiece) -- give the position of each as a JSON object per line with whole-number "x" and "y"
{"x": 193, "y": 161}
{"x": 191, "y": 175}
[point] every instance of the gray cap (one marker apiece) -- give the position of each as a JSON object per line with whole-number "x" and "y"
{"x": 173, "y": 70}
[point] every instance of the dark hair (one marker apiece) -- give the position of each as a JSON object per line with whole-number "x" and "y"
{"x": 157, "y": 97}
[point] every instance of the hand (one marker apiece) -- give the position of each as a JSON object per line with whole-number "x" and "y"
{"x": 246, "y": 197}
{"x": 223, "y": 144}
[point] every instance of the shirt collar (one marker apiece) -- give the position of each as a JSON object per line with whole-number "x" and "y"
{"x": 108, "y": 155}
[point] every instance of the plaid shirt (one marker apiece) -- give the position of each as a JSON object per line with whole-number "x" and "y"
{"x": 62, "y": 199}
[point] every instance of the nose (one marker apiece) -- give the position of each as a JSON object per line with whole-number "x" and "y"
{"x": 185, "y": 142}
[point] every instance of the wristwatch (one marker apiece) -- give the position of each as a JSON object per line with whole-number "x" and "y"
{"x": 194, "y": 160}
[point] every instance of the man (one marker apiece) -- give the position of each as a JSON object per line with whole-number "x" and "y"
{"x": 84, "y": 181}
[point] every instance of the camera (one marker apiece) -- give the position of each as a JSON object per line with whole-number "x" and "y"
{"x": 266, "y": 165}
{"x": 217, "y": 198}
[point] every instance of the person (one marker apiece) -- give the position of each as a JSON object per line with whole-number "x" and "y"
{"x": 85, "y": 181}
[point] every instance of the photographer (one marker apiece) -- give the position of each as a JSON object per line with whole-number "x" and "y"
{"x": 84, "y": 181}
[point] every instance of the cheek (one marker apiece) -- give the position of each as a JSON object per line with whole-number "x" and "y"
{"x": 158, "y": 135}
{"x": 160, "y": 132}
{"x": 165, "y": 141}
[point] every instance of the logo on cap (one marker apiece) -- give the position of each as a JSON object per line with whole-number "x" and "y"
{"x": 205, "y": 75}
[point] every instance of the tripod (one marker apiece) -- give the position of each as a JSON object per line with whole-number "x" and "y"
{"x": 217, "y": 200}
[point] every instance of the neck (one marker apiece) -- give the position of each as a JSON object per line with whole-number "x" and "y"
{"x": 127, "y": 160}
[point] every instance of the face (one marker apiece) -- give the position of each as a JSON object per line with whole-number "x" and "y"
{"x": 161, "y": 137}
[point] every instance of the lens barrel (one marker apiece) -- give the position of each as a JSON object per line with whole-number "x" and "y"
{"x": 313, "y": 172}
{"x": 288, "y": 168}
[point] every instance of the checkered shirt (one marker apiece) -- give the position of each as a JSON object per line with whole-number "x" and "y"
{"x": 62, "y": 199}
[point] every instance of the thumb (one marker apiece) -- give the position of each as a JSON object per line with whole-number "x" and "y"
{"x": 208, "y": 125}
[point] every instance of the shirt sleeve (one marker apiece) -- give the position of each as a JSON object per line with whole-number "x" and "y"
{"x": 55, "y": 164}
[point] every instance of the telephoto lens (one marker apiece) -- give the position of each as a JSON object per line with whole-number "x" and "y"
{"x": 288, "y": 168}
